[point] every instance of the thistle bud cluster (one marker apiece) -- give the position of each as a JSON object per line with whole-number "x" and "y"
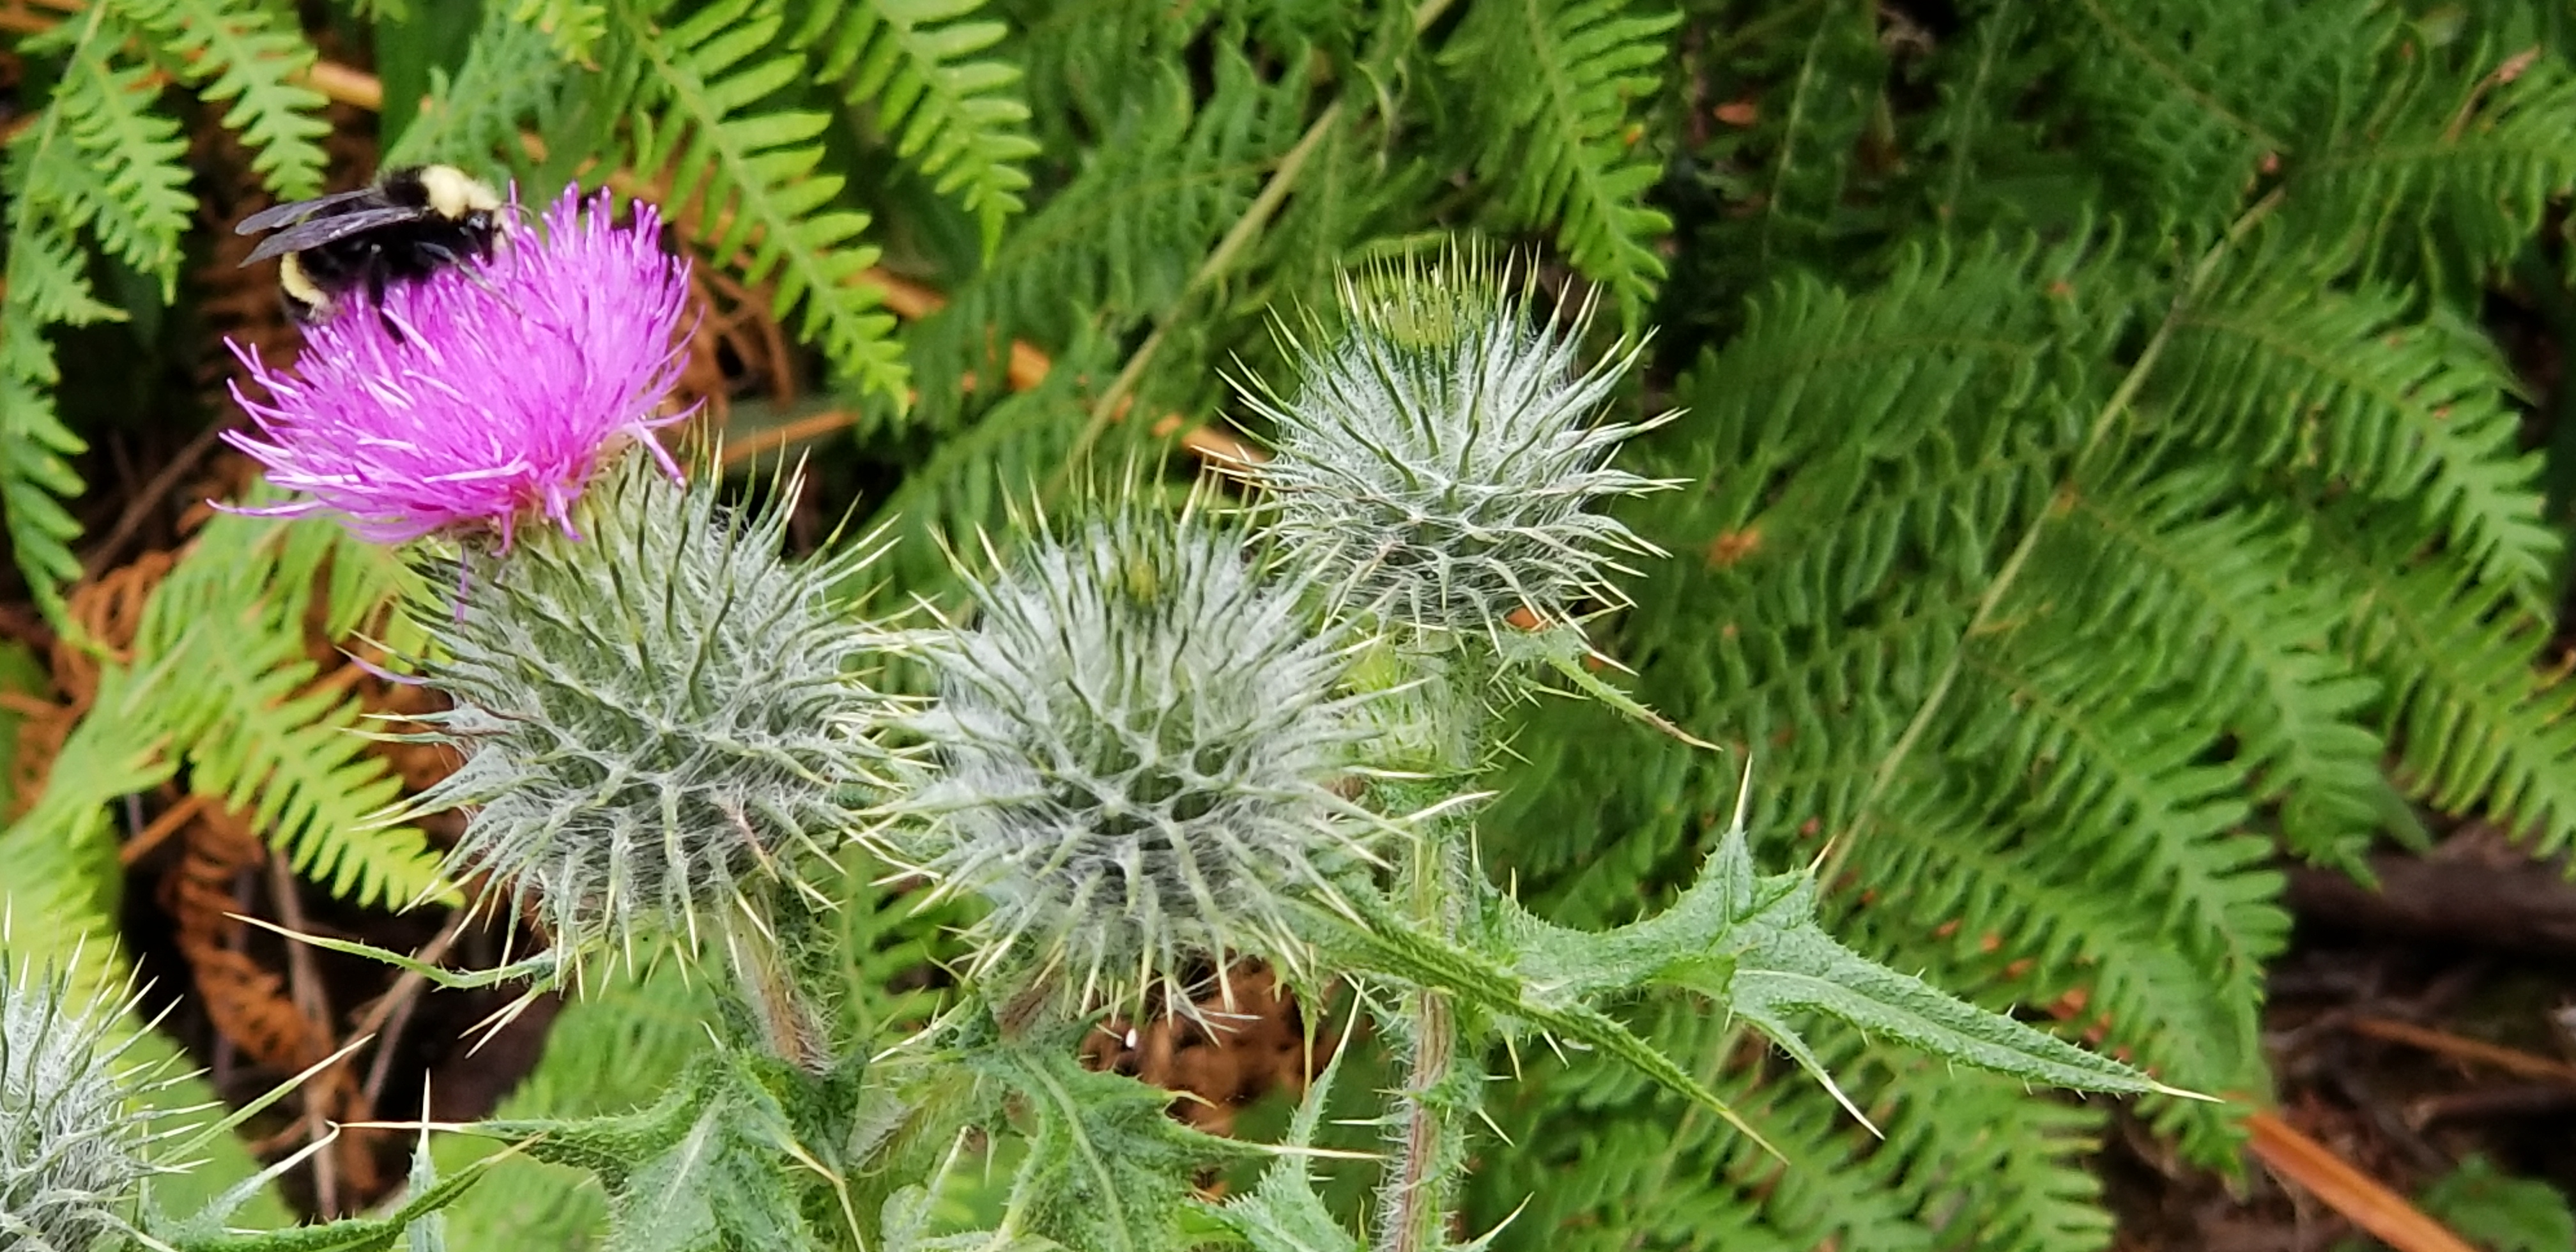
{"x": 1155, "y": 743}
{"x": 1146, "y": 739}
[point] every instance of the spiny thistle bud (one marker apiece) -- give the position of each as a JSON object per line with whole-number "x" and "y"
{"x": 1138, "y": 745}
{"x": 1437, "y": 465}
{"x": 658, "y": 721}
{"x": 72, "y": 1152}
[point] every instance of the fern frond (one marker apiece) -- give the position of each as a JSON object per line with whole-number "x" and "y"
{"x": 761, "y": 199}
{"x": 2282, "y": 370}
{"x": 2443, "y": 167}
{"x": 574, "y": 27}
{"x": 1559, "y": 146}
{"x": 2102, "y": 765}
{"x": 252, "y": 56}
{"x": 1125, "y": 236}
{"x": 2184, "y": 102}
{"x": 955, "y": 118}
{"x": 35, "y": 471}
{"x": 234, "y": 610}
{"x": 216, "y": 679}
{"x": 1073, "y": 106}
{"x": 63, "y": 875}
{"x": 2048, "y": 588}
{"x": 2226, "y": 592}
{"x": 61, "y": 854}
{"x": 1868, "y": 460}
{"x": 47, "y": 285}
{"x": 123, "y": 174}
{"x": 295, "y": 765}
{"x": 2473, "y": 723}
{"x": 1795, "y": 586}
{"x": 510, "y": 70}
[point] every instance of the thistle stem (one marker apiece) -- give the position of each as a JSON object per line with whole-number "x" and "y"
{"x": 788, "y": 1021}
{"x": 1443, "y": 1082}
{"x": 1439, "y": 1094}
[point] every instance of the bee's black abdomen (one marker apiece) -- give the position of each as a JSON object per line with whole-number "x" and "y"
{"x": 408, "y": 226}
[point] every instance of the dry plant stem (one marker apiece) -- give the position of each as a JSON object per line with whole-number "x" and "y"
{"x": 2513, "y": 1061}
{"x": 2345, "y": 1189}
{"x": 141, "y": 504}
{"x": 392, "y": 1011}
{"x": 305, "y": 980}
{"x": 160, "y": 829}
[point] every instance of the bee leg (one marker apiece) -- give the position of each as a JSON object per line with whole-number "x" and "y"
{"x": 376, "y": 297}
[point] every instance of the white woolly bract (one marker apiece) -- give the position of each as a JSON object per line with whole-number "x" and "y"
{"x": 1438, "y": 466}
{"x": 1136, "y": 750}
{"x": 661, "y": 721}
{"x": 72, "y": 1151}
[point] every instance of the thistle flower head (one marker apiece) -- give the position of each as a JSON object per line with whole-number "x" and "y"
{"x": 1137, "y": 746}
{"x": 485, "y": 391}
{"x": 1437, "y": 464}
{"x": 72, "y": 1153}
{"x": 659, "y": 724}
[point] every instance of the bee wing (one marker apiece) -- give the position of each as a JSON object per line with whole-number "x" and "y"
{"x": 277, "y": 215}
{"x": 313, "y": 233}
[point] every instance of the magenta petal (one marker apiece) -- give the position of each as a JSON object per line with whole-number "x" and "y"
{"x": 507, "y": 387}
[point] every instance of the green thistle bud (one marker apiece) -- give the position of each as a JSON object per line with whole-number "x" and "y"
{"x": 72, "y": 1149}
{"x": 1437, "y": 464}
{"x": 1137, "y": 749}
{"x": 659, "y": 721}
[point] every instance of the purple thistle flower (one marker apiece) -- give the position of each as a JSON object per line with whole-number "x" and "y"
{"x": 481, "y": 392}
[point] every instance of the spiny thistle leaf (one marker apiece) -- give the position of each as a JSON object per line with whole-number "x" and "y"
{"x": 1389, "y": 945}
{"x": 908, "y": 1215}
{"x": 1282, "y": 1212}
{"x": 1752, "y": 943}
{"x": 1108, "y": 1168}
{"x": 715, "y": 1164}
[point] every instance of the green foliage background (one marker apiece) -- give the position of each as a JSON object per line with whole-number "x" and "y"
{"x": 2099, "y": 479}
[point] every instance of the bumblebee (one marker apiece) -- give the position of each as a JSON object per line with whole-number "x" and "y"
{"x": 406, "y": 226}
